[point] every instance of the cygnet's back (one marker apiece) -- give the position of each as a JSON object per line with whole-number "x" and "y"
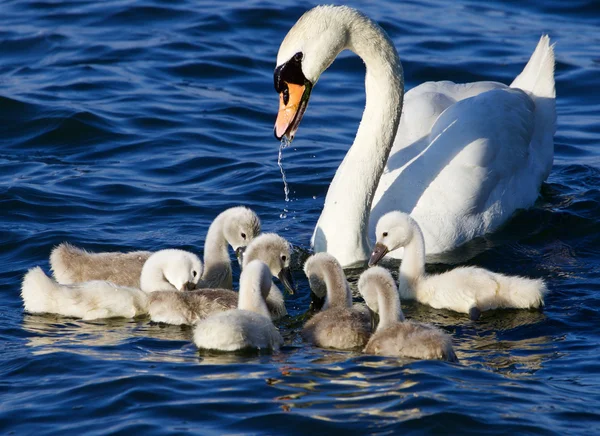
{"x": 70, "y": 264}
{"x": 249, "y": 327}
{"x": 394, "y": 336}
{"x": 165, "y": 269}
{"x": 339, "y": 325}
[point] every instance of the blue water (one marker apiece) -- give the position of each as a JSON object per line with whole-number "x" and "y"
{"x": 131, "y": 124}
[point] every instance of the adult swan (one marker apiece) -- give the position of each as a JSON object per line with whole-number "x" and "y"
{"x": 463, "y": 159}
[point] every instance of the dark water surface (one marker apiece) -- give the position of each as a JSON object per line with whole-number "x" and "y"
{"x": 131, "y": 124}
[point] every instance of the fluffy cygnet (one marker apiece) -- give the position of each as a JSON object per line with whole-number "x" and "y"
{"x": 236, "y": 227}
{"x": 339, "y": 325}
{"x": 275, "y": 251}
{"x": 190, "y": 307}
{"x": 469, "y": 290}
{"x": 249, "y": 327}
{"x": 394, "y": 336}
{"x": 164, "y": 270}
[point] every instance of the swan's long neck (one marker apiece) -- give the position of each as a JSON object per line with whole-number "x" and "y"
{"x": 389, "y": 306}
{"x": 216, "y": 255}
{"x": 338, "y": 291}
{"x": 250, "y": 295}
{"x": 412, "y": 268}
{"x": 342, "y": 229}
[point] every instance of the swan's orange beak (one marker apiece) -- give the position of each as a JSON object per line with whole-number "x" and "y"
{"x": 292, "y": 104}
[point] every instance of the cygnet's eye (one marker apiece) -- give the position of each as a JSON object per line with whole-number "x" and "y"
{"x": 385, "y": 234}
{"x": 286, "y": 96}
{"x": 284, "y": 258}
{"x": 194, "y": 273}
{"x": 243, "y": 235}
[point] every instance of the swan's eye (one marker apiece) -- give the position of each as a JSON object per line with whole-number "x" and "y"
{"x": 286, "y": 96}
{"x": 284, "y": 258}
{"x": 298, "y": 57}
{"x": 385, "y": 234}
{"x": 194, "y": 273}
{"x": 243, "y": 235}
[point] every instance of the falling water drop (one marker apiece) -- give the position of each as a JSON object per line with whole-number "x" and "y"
{"x": 285, "y": 142}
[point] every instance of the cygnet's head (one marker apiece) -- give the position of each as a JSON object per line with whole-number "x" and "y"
{"x": 308, "y": 49}
{"x": 394, "y": 230}
{"x": 316, "y": 268}
{"x": 171, "y": 269}
{"x": 275, "y": 251}
{"x": 371, "y": 283}
{"x": 241, "y": 225}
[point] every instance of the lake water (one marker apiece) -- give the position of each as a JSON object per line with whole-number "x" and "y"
{"x": 131, "y": 124}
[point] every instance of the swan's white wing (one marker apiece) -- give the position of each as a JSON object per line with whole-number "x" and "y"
{"x": 463, "y": 162}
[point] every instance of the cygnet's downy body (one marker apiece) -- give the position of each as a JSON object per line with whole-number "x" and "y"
{"x": 235, "y": 227}
{"x": 191, "y": 307}
{"x": 249, "y": 327}
{"x": 394, "y": 335}
{"x": 164, "y": 270}
{"x": 338, "y": 325}
{"x": 469, "y": 290}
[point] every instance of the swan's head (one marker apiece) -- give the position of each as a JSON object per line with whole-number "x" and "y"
{"x": 256, "y": 275}
{"x": 241, "y": 226}
{"x": 275, "y": 251}
{"x": 316, "y": 268}
{"x": 171, "y": 270}
{"x": 309, "y": 48}
{"x": 394, "y": 230}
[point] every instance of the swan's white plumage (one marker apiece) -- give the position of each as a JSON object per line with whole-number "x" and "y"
{"x": 164, "y": 270}
{"x": 461, "y": 289}
{"x": 465, "y": 156}
{"x": 247, "y": 327}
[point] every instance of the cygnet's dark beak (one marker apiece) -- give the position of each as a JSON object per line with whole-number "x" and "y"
{"x": 188, "y": 286}
{"x": 316, "y": 302}
{"x": 285, "y": 275}
{"x": 239, "y": 253}
{"x": 374, "y": 320}
{"x": 379, "y": 251}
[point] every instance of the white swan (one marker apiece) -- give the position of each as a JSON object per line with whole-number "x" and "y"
{"x": 469, "y": 290}
{"x": 177, "y": 308}
{"x": 394, "y": 336}
{"x": 249, "y": 327}
{"x": 236, "y": 226}
{"x": 164, "y": 270}
{"x": 338, "y": 325}
{"x": 464, "y": 159}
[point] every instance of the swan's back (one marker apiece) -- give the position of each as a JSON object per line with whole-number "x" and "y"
{"x": 413, "y": 340}
{"x": 467, "y": 156}
{"x": 338, "y": 327}
{"x": 174, "y": 307}
{"x": 70, "y": 264}
{"x": 237, "y": 330}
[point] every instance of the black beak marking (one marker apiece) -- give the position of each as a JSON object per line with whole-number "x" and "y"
{"x": 285, "y": 276}
{"x": 379, "y": 251}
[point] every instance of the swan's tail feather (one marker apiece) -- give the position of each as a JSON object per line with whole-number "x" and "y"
{"x": 522, "y": 293}
{"x": 538, "y": 75}
{"x": 39, "y": 292}
{"x": 537, "y": 79}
